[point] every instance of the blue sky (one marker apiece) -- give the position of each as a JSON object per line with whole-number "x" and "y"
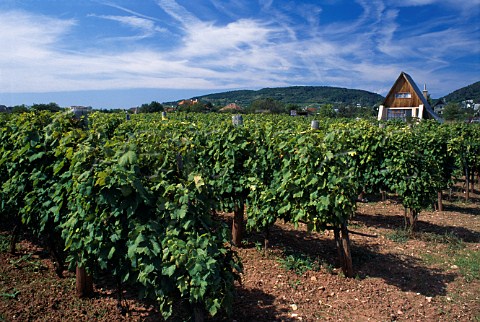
{"x": 119, "y": 54}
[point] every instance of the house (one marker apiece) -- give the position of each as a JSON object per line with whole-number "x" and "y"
{"x": 439, "y": 106}
{"x": 80, "y": 110}
{"x": 230, "y": 108}
{"x": 467, "y": 104}
{"x": 405, "y": 100}
{"x": 170, "y": 109}
{"x": 188, "y": 102}
{"x": 133, "y": 110}
{"x": 305, "y": 111}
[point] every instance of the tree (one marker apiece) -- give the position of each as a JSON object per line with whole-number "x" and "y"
{"x": 291, "y": 106}
{"x": 19, "y": 108}
{"x": 454, "y": 112}
{"x": 326, "y": 111}
{"x": 52, "y": 107}
{"x": 209, "y": 107}
{"x": 153, "y": 107}
{"x": 195, "y": 108}
{"x": 346, "y": 111}
{"x": 267, "y": 104}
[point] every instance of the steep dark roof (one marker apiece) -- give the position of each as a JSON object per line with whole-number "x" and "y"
{"x": 440, "y": 102}
{"x": 427, "y": 108}
{"x": 231, "y": 107}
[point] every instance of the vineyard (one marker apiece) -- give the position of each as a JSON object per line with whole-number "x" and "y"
{"x": 143, "y": 199}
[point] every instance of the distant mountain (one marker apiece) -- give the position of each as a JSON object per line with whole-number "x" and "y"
{"x": 470, "y": 92}
{"x": 301, "y": 95}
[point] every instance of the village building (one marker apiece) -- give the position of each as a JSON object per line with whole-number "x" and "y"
{"x": 188, "y": 102}
{"x": 439, "y": 106}
{"x": 80, "y": 110}
{"x": 232, "y": 107}
{"x": 406, "y": 101}
{"x": 170, "y": 109}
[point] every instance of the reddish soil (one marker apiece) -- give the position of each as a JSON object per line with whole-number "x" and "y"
{"x": 418, "y": 279}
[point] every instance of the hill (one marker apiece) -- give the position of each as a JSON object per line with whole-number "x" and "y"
{"x": 301, "y": 95}
{"x": 470, "y": 92}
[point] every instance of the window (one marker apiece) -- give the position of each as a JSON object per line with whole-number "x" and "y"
{"x": 403, "y": 95}
{"x": 401, "y": 114}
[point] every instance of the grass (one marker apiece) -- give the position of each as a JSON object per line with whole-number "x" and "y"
{"x": 356, "y": 225}
{"x": 299, "y": 263}
{"x": 12, "y": 295}
{"x": 432, "y": 259}
{"x": 328, "y": 267}
{"x": 29, "y": 263}
{"x": 453, "y": 241}
{"x": 399, "y": 236}
{"x": 468, "y": 261}
{"x": 4, "y": 243}
{"x": 295, "y": 284}
{"x": 258, "y": 246}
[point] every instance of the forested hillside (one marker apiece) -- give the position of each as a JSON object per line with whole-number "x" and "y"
{"x": 470, "y": 92}
{"x": 302, "y": 95}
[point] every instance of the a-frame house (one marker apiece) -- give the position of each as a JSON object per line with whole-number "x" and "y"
{"x": 405, "y": 100}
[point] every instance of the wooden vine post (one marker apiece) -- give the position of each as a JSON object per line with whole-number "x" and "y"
{"x": 467, "y": 184}
{"x": 198, "y": 314}
{"x": 343, "y": 248}
{"x": 84, "y": 283}
{"x": 472, "y": 181}
{"x": 440, "y": 201}
{"x": 266, "y": 242}
{"x": 467, "y": 173}
{"x": 478, "y": 179}
{"x": 411, "y": 218}
{"x": 383, "y": 195}
{"x": 14, "y": 239}
{"x": 238, "y": 222}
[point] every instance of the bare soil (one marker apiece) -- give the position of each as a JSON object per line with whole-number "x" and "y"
{"x": 397, "y": 278}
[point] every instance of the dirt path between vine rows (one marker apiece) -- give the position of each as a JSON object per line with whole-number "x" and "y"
{"x": 432, "y": 276}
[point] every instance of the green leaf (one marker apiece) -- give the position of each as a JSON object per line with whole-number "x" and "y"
{"x": 130, "y": 157}
{"x": 36, "y": 156}
{"x": 102, "y": 177}
{"x": 169, "y": 271}
{"x": 110, "y": 254}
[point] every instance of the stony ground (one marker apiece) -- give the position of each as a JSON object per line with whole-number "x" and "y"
{"x": 432, "y": 276}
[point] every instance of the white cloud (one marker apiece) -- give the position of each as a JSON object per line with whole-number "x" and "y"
{"x": 31, "y": 60}
{"x": 206, "y": 39}
{"x": 178, "y": 12}
{"x": 466, "y": 7}
{"x": 22, "y": 31}
{"x": 367, "y": 53}
{"x": 132, "y": 12}
{"x": 147, "y": 26}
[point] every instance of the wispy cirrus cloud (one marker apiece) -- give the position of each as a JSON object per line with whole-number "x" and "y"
{"x": 32, "y": 61}
{"x": 127, "y": 10}
{"x": 147, "y": 27}
{"x": 233, "y": 38}
{"x": 270, "y": 48}
{"x": 179, "y": 12}
{"x": 458, "y": 5}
